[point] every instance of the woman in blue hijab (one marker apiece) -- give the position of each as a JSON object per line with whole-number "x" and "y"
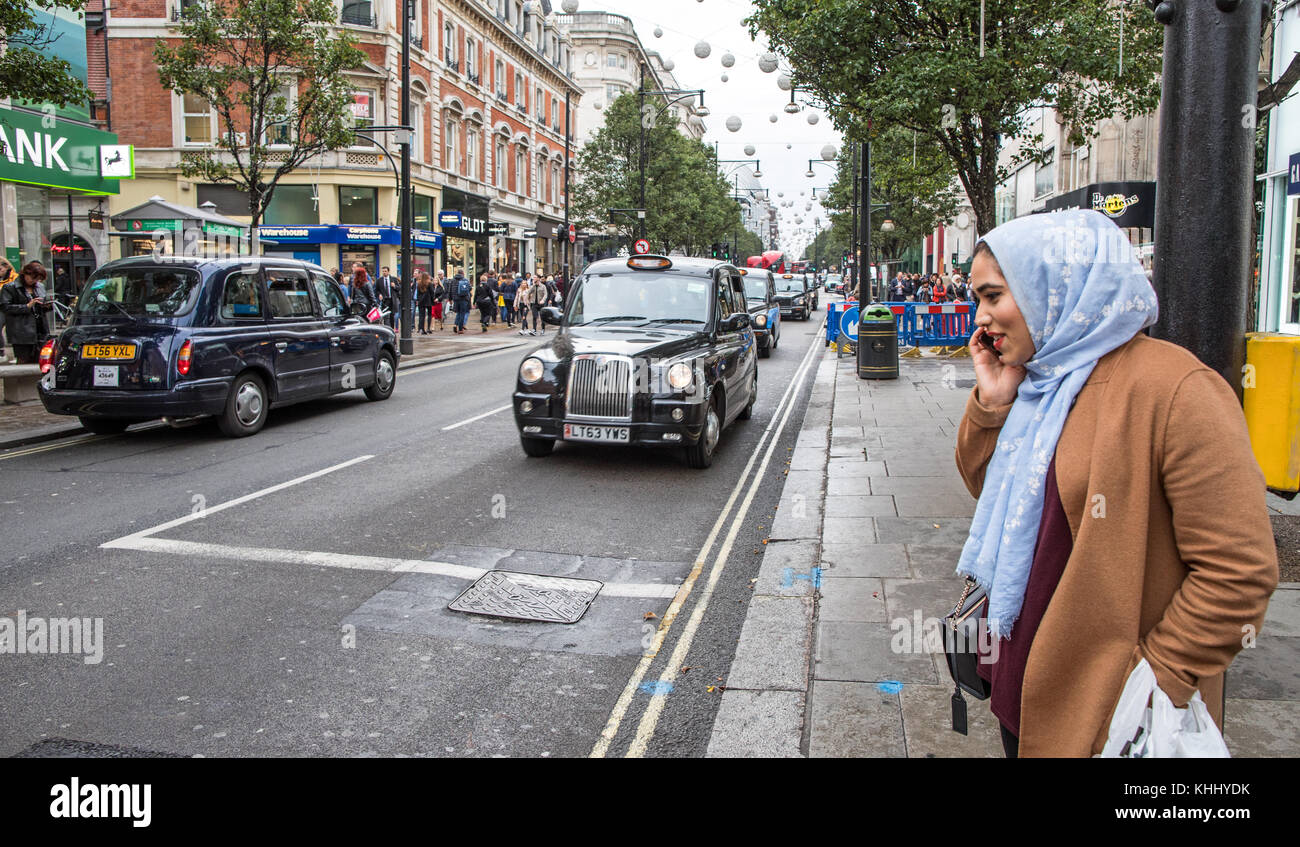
{"x": 1100, "y": 458}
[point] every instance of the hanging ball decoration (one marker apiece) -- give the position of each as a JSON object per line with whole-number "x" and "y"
{"x": 599, "y": 105}
{"x": 767, "y": 63}
{"x": 829, "y": 153}
{"x": 659, "y": 33}
{"x": 807, "y": 207}
{"x": 702, "y": 49}
{"x": 772, "y": 118}
{"x": 569, "y": 6}
{"x": 725, "y": 77}
{"x": 813, "y": 117}
{"x": 728, "y": 60}
{"x": 733, "y": 124}
{"x": 783, "y": 82}
{"x": 780, "y": 194}
{"x": 669, "y": 64}
{"x": 789, "y": 146}
{"x": 749, "y": 149}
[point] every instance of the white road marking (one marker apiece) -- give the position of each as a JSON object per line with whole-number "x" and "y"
{"x": 354, "y": 562}
{"x": 200, "y": 514}
{"x": 624, "y": 701}
{"x": 478, "y": 417}
{"x": 76, "y": 439}
{"x": 416, "y": 370}
{"x": 650, "y": 718}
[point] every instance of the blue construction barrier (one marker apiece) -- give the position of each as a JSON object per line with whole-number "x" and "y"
{"x": 919, "y": 324}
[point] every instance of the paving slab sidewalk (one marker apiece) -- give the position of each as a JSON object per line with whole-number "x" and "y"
{"x": 29, "y": 423}
{"x": 832, "y": 659}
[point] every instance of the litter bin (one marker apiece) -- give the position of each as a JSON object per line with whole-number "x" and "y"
{"x": 877, "y": 343}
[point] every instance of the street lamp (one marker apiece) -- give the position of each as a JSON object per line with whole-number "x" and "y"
{"x": 676, "y": 94}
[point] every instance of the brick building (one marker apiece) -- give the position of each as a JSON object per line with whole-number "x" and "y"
{"x": 342, "y": 206}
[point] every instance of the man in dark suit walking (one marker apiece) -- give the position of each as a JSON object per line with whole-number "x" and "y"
{"x": 387, "y": 287}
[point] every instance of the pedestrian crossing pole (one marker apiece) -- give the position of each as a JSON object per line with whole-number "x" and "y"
{"x": 1205, "y": 177}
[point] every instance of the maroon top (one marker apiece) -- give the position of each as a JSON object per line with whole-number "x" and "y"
{"x": 1055, "y": 543}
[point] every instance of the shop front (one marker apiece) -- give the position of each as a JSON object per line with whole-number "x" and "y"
{"x": 44, "y": 159}
{"x": 158, "y": 227}
{"x": 354, "y": 244}
{"x": 464, "y": 224}
{"x": 549, "y": 254}
{"x": 1131, "y": 205}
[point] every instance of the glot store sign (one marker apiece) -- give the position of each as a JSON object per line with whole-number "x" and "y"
{"x": 42, "y": 150}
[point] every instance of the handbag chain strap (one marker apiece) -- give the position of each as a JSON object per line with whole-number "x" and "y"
{"x": 961, "y": 603}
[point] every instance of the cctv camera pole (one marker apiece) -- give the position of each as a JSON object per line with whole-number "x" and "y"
{"x": 1205, "y": 178}
{"x": 407, "y": 343}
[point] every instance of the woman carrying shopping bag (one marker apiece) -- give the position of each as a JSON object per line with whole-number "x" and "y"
{"x": 1121, "y": 512}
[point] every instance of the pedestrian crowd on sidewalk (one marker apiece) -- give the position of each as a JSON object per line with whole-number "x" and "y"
{"x": 930, "y": 288}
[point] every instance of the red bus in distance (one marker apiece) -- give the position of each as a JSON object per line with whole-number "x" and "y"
{"x": 772, "y": 260}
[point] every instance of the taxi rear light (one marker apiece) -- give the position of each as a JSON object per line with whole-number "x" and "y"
{"x": 649, "y": 263}
{"x": 47, "y": 355}
{"x": 183, "y": 359}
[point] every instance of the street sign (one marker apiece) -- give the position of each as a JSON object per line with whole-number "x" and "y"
{"x": 573, "y": 233}
{"x": 849, "y": 323}
{"x": 641, "y": 246}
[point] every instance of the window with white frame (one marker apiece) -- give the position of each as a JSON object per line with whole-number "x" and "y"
{"x": 358, "y": 13}
{"x": 198, "y": 119}
{"x": 451, "y": 129}
{"x": 519, "y": 86}
{"x": 363, "y": 113}
{"x": 417, "y": 126}
{"x": 500, "y": 163}
{"x": 555, "y": 184}
{"x": 539, "y": 188}
{"x": 279, "y": 115}
{"x": 449, "y": 42}
{"x": 521, "y": 170}
{"x": 500, "y": 74}
{"x": 469, "y": 57}
{"x": 611, "y": 61}
{"x": 472, "y": 132}
{"x": 539, "y": 101}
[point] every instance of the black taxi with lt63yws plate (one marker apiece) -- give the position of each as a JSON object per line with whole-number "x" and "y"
{"x": 652, "y": 351}
{"x": 229, "y": 338}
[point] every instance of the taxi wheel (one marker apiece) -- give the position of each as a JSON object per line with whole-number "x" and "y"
{"x": 537, "y": 447}
{"x": 246, "y": 407}
{"x": 385, "y": 378}
{"x": 776, "y": 339}
{"x": 700, "y": 454}
{"x": 748, "y": 412}
{"x": 764, "y": 350}
{"x": 105, "y": 426}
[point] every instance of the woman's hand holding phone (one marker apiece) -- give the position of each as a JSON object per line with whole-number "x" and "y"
{"x": 997, "y": 382}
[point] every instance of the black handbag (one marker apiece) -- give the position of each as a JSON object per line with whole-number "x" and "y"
{"x": 961, "y": 649}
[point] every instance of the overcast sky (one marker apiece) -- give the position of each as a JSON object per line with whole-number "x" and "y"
{"x": 749, "y": 94}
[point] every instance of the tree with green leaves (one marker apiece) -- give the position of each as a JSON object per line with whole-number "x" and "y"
{"x": 912, "y": 176}
{"x": 688, "y": 204}
{"x": 28, "y": 69}
{"x": 275, "y": 74}
{"x": 918, "y": 65}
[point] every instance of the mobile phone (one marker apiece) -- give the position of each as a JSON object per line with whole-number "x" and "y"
{"x": 988, "y": 343}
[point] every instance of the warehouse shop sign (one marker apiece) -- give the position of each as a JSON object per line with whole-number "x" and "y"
{"x": 42, "y": 150}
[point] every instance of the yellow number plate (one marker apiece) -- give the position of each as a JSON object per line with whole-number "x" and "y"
{"x": 108, "y": 351}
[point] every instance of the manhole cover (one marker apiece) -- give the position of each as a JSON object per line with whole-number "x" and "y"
{"x": 528, "y": 597}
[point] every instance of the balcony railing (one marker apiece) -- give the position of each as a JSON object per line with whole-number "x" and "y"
{"x": 454, "y": 65}
{"x": 473, "y": 77}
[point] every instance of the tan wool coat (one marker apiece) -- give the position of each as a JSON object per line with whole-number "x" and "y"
{"x": 1173, "y": 558}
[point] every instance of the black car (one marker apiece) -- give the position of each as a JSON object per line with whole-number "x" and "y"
{"x": 764, "y": 312}
{"x": 796, "y": 296}
{"x": 652, "y": 351}
{"x": 230, "y": 338}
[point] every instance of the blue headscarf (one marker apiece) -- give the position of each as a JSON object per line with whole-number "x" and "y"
{"x": 1083, "y": 294}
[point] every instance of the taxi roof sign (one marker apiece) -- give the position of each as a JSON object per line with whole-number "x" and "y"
{"x": 649, "y": 263}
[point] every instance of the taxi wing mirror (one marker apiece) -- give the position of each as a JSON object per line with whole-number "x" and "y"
{"x": 737, "y": 322}
{"x": 552, "y": 316}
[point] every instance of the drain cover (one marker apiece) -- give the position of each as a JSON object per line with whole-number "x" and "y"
{"x": 528, "y": 597}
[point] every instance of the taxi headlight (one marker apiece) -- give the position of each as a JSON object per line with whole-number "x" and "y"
{"x": 798, "y": 301}
{"x": 760, "y": 321}
{"x": 680, "y": 376}
{"x": 531, "y": 369}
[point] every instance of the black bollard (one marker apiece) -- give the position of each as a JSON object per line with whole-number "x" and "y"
{"x": 1205, "y": 178}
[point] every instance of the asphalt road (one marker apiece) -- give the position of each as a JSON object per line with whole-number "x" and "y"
{"x": 309, "y": 616}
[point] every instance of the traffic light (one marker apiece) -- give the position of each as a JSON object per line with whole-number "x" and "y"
{"x": 726, "y": 252}
{"x": 713, "y": 250}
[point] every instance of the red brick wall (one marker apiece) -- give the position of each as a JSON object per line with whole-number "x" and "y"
{"x": 141, "y": 107}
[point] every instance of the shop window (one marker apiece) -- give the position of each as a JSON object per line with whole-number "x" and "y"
{"x": 198, "y": 117}
{"x": 358, "y": 206}
{"x": 293, "y": 205}
{"x": 422, "y": 212}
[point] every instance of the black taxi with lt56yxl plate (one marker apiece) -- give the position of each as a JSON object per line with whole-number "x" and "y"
{"x": 652, "y": 351}
{"x": 177, "y": 337}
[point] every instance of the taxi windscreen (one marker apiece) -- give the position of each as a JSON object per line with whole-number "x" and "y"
{"x": 640, "y": 298}
{"x": 140, "y": 292}
{"x": 793, "y": 284}
{"x": 755, "y": 287}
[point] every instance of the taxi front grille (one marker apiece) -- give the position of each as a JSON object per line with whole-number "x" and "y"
{"x": 600, "y": 387}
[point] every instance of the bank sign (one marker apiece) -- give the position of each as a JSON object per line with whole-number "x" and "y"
{"x": 42, "y": 150}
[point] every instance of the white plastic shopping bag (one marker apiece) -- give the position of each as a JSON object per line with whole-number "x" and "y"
{"x": 1146, "y": 724}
